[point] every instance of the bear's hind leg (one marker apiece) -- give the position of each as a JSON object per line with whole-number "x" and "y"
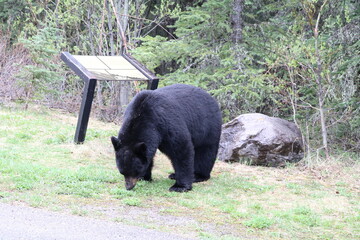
{"x": 204, "y": 161}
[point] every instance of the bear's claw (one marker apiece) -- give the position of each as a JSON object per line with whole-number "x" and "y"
{"x": 177, "y": 188}
{"x": 172, "y": 176}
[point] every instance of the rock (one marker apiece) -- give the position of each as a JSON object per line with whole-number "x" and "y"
{"x": 264, "y": 140}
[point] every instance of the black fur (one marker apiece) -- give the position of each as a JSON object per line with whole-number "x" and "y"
{"x": 183, "y": 122}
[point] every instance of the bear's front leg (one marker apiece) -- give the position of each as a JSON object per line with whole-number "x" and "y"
{"x": 184, "y": 170}
{"x": 147, "y": 176}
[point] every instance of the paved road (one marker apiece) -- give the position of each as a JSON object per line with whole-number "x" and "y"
{"x": 25, "y": 223}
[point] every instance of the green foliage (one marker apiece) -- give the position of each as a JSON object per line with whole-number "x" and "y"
{"x": 202, "y": 55}
{"x": 274, "y": 69}
{"x": 13, "y": 16}
{"x": 40, "y": 76}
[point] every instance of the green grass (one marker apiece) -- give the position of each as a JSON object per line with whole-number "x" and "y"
{"x": 259, "y": 222}
{"x": 40, "y": 166}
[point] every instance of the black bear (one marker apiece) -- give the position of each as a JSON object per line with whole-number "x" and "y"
{"x": 182, "y": 121}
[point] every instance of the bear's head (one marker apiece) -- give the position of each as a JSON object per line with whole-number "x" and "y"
{"x": 131, "y": 161}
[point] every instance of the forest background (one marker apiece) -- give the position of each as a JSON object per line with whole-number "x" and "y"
{"x": 297, "y": 60}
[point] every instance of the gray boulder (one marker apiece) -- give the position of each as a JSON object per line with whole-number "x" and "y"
{"x": 261, "y": 140}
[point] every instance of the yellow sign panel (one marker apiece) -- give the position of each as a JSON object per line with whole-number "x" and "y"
{"x": 110, "y": 67}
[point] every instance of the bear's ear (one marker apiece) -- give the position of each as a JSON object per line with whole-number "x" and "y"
{"x": 116, "y": 143}
{"x": 140, "y": 149}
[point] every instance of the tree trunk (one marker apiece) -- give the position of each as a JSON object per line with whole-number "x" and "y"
{"x": 120, "y": 26}
{"x": 237, "y": 22}
{"x": 125, "y": 15}
{"x": 319, "y": 82}
{"x": 137, "y": 21}
{"x": 89, "y": 25}
{"x": 111, "y": 32}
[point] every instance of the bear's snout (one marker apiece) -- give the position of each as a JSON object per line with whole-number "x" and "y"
{"x": 130, "y": 182}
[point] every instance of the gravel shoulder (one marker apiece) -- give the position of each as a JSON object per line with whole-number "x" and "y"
{"x": 21, "y": 222}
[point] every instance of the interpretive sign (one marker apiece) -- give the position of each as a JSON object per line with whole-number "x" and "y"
{"x": 103, "y": 68}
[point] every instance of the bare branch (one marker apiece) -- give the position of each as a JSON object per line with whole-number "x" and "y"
{"x": 122, "y": 33}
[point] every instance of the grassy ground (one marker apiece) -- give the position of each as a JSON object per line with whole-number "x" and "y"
{"x": 41, "y": 167}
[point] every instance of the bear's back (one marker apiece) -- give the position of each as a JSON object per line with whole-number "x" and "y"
{"x": 189, "y": 105}
{"x": 177, "y": 107}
